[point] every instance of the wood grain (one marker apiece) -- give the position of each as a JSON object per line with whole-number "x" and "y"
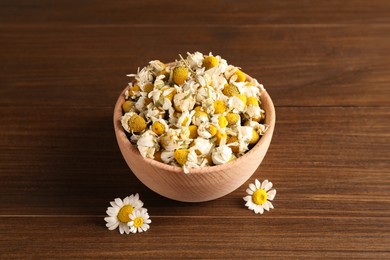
{"x": 325, "y": 64}
{"x": 76, "y": 154}
{"x": 201, "y": 237}
{"x": 208, "y": 13}
{"x": 331, "y": 66}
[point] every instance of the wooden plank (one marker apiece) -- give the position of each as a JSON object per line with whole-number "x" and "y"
{"x": 300, "y": 66}
{"x": 330, "y": 161}
{"x": 200, "y": 237}
{"x": 205, "y": 13}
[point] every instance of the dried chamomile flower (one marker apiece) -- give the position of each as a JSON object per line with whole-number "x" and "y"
{"x": 195, "y": 112}
{"x": 180, "y": 74}
{"x": 210, "y": 62}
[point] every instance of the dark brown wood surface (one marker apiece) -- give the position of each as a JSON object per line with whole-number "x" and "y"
{"x": 326, "y": 64}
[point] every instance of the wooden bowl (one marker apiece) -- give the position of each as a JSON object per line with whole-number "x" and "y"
{"x": 200, "y": 184}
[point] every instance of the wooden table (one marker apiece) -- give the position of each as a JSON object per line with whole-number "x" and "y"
{"x": 326, "y": 65}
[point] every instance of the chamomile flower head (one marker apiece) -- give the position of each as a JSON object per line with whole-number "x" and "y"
{"x": 139, "y": 221}
{"x": 180, "y": 74}
{"x": 120, "y": 211}
{"x": 197, "y": 111}
{"x": 260, "y": 196}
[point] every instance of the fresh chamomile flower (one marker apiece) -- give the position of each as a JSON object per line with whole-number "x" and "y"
{"x": 260, "y": 196}
{"x": 119, "y": 212}
{"x": 139, "y": 221}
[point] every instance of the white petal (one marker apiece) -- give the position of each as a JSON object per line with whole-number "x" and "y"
{"x": 271, "y": 194}
{"x": 143, "y": 227}
{"x": 247, "y": 198}
{"x": 121, "y": 229}
{"x": 266, "y": 206}
{"x": 252, "y": 187}
{"x": 119, "y": 202}
{"x": 126, "y": 201}
{"x": 268, "y": 186}
{"x": 249, "y": 191}
{"x": 111, "y": 212}
{"x": 270, "y": 205}
{"x": 258, "y": 184}
{"x": 110, "y": 219}
{"x": 127, "y": 229}
{"x": 265, "y": 182}
{"x": 113, "y": 226}
{"x": 261, "y": 210}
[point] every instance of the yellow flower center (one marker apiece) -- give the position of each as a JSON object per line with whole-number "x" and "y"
{"x": 255, "y": 137}
{"x": 137, "y": 123}
{"x": 232, "y": 118}
{"x": 210, "y": 62}
{"x": 222, "y": 121}
{"x": 124, "y": 212}
{"x": 241, "y": 77}
{"x": 230, "y": 90}
{"x": 259, "y": 197}
{"x": 219, "y": 136}
{"x": 127, "y": 106}
{"x": 181, "y": 156}
{"x": 158, "y": 128}
{"x": 148, "y": 87}
{"x": 138, "y": 222}
{"x": 180, "y": 74}
{"x": 133, "y": 89}
{"x": 242, "y": 97}
{"x": 252, "y": 101}
{"x": 233, "y": 139}
{"x": 193, "y": 131}
{"x": 212, "y": 130}
{"x": 219, "y": 106}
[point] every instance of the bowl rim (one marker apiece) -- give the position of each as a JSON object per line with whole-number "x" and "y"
{"x": 122, "y": 137}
